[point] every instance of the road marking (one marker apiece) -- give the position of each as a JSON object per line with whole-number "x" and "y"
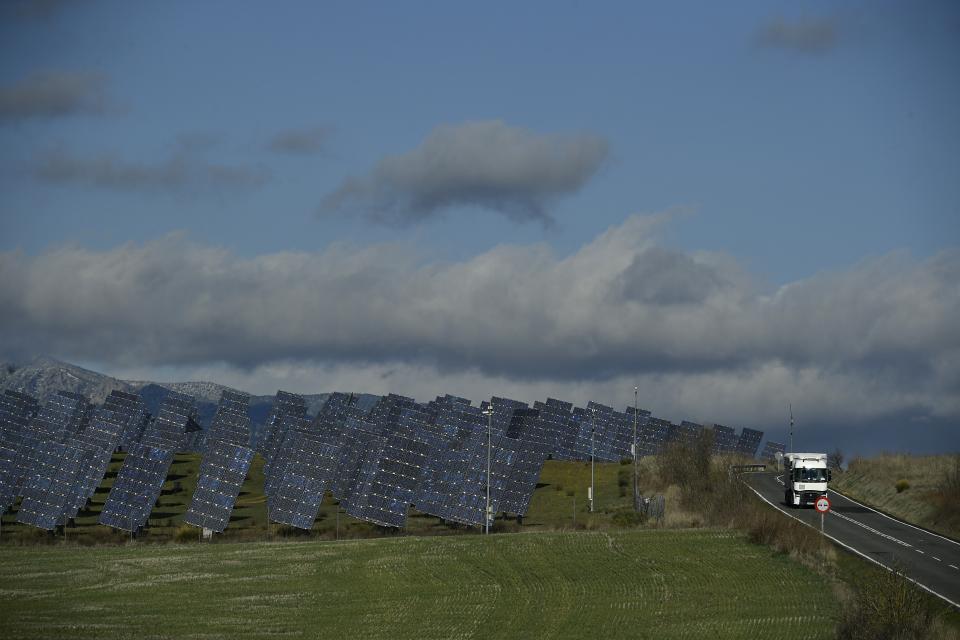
{"x": 918, "y": 551}
{"x": 936, "y": 558}
{"x": 953, "y": 566}
{"x": 912, "y": 526}
{"x": 856, "y": 551}
{"x": 872, "y": 530}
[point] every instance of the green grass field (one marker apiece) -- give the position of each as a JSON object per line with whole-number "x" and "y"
{"x": 874, "y": 482}
{"x": 604, "y": 584}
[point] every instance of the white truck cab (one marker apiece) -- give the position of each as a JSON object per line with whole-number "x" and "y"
{"x": 805, "y": 478}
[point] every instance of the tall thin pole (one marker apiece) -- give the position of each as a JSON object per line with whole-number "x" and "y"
{"x": 486, "y": 514}
{"x": 636, "y": 477}
{"x": 593, "y": 429}
{"x": 791, "y": 428}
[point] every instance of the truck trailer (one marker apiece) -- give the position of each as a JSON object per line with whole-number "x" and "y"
{"x": 805, "y": 478}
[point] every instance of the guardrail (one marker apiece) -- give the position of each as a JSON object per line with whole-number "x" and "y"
{"x": 746, "y": 468}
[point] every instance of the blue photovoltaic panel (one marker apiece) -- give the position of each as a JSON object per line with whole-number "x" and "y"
{"x": 50, "y": 489}
{"x": 16, "y": 412}
{"x": 640, "y": 423}
{"x": 555, "y": 416}
{"x": 749, "y": 442}
{"x": 128, "y": 410}
{"x": 174, "y": 425}
{"x": 653, "y": 436}
{"x": 392, "y": 469}
{"x": 770, "y": 449}
{"x": 296, "y": 499}
{"x": 137, "y": 487}
{"x": 724, "y": 439}
{"x": 272, "y": 436}
{"x": 291, "y": 427}
{"x": 64, "y": 415}
{"x": 222, "y": 472}
{"x": 232, "y": 422}
{"x": 515, "y": 466}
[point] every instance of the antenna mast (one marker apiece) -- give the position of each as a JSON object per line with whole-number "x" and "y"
{"x": 791, "y": 428}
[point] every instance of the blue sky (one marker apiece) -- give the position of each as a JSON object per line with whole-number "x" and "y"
{"x": 779, "y": 146}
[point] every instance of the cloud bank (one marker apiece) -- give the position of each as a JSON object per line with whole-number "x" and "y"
{"x": 488, "y": 164}
{"x": 54, "y": 94}
{"x": 694, "y": 329}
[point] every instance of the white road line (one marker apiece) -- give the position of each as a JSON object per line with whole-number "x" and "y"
{"x": 953, "y": 566}
{"x": 871, "y": 529}
{"x": 856, "y": 551}
{"x": 918, "y": 551}
{"x": 936, "y": 558}
{"x": 894, "y": 519}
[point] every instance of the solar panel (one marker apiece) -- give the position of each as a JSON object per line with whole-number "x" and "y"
{"x": 232, "y": 421}
{"x": 458, "y": 427}
{"x": 16, "y": 412}
{"x": 64, "y": 415}
{"x": 640, "y": 423}
{"x": 136, "y": 488}
{"x": 272, "y": 437}
{"x": 515, "y": 464}
{"x": 175, "y": 424}
{"x": 130, "y": 411}
{"x": 771, "y": 449}
{"x": 49, "y": 490}
{"x": 389, "y": 477}
{"x": 724, "y": 439}
{"x": 299, "y": 491}
{"x": 222, "y": 472}
{"x": 748, "y": 442}
{"x": 654, "y": 436}
{"x": 291, "y": 426}
{"x": 100, "y": 438}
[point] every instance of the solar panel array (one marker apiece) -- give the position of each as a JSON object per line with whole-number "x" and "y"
{"x": 376, "y": 462}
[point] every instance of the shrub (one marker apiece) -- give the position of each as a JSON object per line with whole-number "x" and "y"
{"x": 888, "y": 607}
{"x": 902, "y": 485}
{"x": 185, "y": 533}
{"x": 628, "y": 518}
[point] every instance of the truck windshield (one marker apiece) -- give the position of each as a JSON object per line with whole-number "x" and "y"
{"x": 809, "y": 475}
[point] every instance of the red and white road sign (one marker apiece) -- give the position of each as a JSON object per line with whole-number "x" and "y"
{"x": 823, "y": 504}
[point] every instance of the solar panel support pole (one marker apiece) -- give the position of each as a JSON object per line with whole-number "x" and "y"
{"x": 636, "y": 477}
{"x": 593, "y": 430}
{"x": 486, "y": 513}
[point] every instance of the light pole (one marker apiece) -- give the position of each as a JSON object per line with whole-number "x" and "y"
{"x": 486, "y": 514}
{"x": 593, "y": 429}
{"x": 636, "y": 483}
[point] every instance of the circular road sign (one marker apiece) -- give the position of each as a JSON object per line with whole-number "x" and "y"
{"x": 823, "y": 504}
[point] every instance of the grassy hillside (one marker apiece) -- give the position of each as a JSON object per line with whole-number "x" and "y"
{"x": 923, "y": 496}
{"x": 614, "y": 584}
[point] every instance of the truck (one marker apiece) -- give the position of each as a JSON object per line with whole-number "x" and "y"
{"x": 805, "y": 478}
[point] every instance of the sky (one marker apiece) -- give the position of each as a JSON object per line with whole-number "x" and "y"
{"x": 735, "y": 207}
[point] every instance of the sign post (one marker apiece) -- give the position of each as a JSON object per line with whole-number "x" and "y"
{"x": 823, "y": 506}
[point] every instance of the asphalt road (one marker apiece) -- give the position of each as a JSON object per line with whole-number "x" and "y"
{"x": 929, "y": 560}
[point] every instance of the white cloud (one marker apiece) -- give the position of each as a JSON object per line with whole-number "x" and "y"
{"x": 696, "y": 334}
{"x": 488, "y": 164}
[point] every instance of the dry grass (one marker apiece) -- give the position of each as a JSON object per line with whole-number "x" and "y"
{"x": 914, "y": 488}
